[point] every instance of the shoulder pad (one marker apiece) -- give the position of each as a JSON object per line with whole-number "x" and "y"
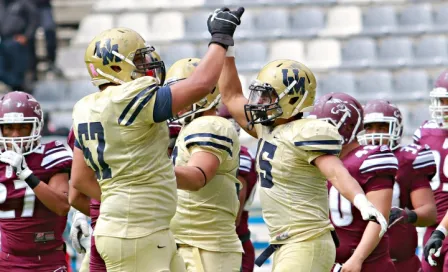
{"x": 56, "y": 153}
{"x": 378, "y": 159}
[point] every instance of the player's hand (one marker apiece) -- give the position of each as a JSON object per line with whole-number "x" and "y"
{"x": 17, "y": 161}
{"x": 352, "y": 265}
{"x": 222, "y": 24}
{"x": 369, "y": 212}
{"x": 80, "y": 227}
{"x": 433, "y": 247}
{"x": 398, "y": 215}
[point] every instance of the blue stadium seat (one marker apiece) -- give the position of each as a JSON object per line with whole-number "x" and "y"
{"x": 251, "y": 56}
{"x": 379, "y": 20}
{"x": 395, "y": 52}
{"x": 276, "y": 25}
{"x": 51, "y": 94}
{"x": 337, "y": 82}
{"x": 195, "y": 25}
{"x": 431, "y": 51}
{"x": 441, "y": 18}
{"x": 411, "y": 85}
{"x": 375, "y": 84}
{"x": 359, "y": 53}
{"x": 77, "y": 89}
{"x": 246, "y": 29}
{"x": 415, "y": 19}
{"x": 307, "y": 22}
{"x": 172, "y": 53}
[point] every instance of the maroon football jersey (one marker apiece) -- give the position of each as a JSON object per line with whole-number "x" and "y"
{"x": 27, "y": 226}
{"x": 94, "y": 204}
{"x": 248, "y": 172}
{"x": 416, "y": 168}
{"x": 437, "y": 139}
{"x": 364, "y": 163}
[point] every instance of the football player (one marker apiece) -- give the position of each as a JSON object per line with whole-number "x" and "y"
{"x": 33, "y": 189}
{"x": 374, "y": 167}
{"x": 434, "y": 245}
{"x": 248, "y": 178}
{"x": 413, "y": 201}
{"x": 295, "y": 158}
{"x": 122, "y": 139}
{"x": 434, "y": 133}
{"x": 204, "y": 223}
{"x": 85, "y": 206}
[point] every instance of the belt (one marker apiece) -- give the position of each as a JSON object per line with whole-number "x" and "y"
{"x": 266, "y": 254}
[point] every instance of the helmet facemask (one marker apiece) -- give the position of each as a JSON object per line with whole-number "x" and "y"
{"x": 392, "y": 138}
{"x": 439, "y": 109}
{"x": 27, "y": 144}
{"x": 263, "y": 105}
{"x": 147, "y": 63}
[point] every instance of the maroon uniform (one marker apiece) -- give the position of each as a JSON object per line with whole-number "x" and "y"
{"x": 437, "y": 139}
{"x": 416, "y": 168}
{"x": 96, "y": 263}
{"x": 31, "y": 234}
{"x": 374, "y": 167}
{"x": 248, "y": 172}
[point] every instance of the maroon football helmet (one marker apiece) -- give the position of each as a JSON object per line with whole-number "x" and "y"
{"x": 19, "y": 108}
{"x": 382, "y": 111}
{"x": 439, "y": 111}
{"x": 341, "y": 110}
{"x": 174, "y": 128}
{"x": 224, "y": 112}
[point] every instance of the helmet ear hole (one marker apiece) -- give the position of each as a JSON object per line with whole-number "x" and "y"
{"x": 293, "y": 100}
{"x": 116, "y": 68}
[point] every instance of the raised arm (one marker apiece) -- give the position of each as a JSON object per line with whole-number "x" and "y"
{"x": 232, "y": 94}
{"x": 222, "y": 25}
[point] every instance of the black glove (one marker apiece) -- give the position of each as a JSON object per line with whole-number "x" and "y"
{"x": 433, "y": 245}
{"x": 405, "y": 216}
{"x": 222, "y": 24}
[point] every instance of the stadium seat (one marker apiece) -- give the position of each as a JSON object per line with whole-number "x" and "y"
{"x": 307, "y": 22}
{"x": 51, "y": 94}
{"x": 183, "y": 3}
{"x": 323, "y": 54}
{"x": 91, "y": 26}
{"x": 251, "y": 56}
{"x": 337, "y": 82}
{"x": 394, "y": 52}
{"x": 375, "y": 84}
{"x": 276, "y": 25}
{"x": 415, "y": 19}
{"x": 431, "y": 51}
{"x": 77, "y": 89}
{"x": 247, "y": 28}
{"x": 379, "y": 20}
{"x": 172, "y": 53}
{"x": 441, "y": 18}
{"x": 136, "y": 21}
{"x": 343, "y": 21}
{"x": 71, "y": 59}
{"x": 167, "y": 26}
{"x": 359, "y": 53}
{"x": 287, "y": 49}
{"x": 61, "y": 119}
{"x": 411, "y": 85}
{"x": 196, "y": 26}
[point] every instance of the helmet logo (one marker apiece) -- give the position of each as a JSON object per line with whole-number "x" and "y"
{"x": 299, "y": 87}
{"x": 105, "y": 52}
{"x": 397, "y": 114}
{"x": 340, "y": 107}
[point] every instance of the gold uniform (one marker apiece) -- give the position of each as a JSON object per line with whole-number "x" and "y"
{"x": 204, "y": 224}
{"x": 127, "y": 150}
{"x": 294, "y": 194}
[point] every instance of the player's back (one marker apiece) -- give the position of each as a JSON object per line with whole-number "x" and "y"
{"x": 206, "y": 218}
{"x": 364, "y": 163}
{"x": 27, "y": 226}
{"x": 437, "y": 139}
{"x": 293, "y": 191}
{"x": 416, "y": 167}
{"x": 127, "y": 150}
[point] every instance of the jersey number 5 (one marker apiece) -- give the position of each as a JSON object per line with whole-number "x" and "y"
{"x": 94, "y": 132}
{"x": 266, "y": 150}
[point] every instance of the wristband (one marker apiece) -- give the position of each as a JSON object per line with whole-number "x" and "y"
{"x": 442, "y": 229}
{"x": 230, "y": 52}
{"x": 32, "y": 181}
{"x": 360, "y": 201}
